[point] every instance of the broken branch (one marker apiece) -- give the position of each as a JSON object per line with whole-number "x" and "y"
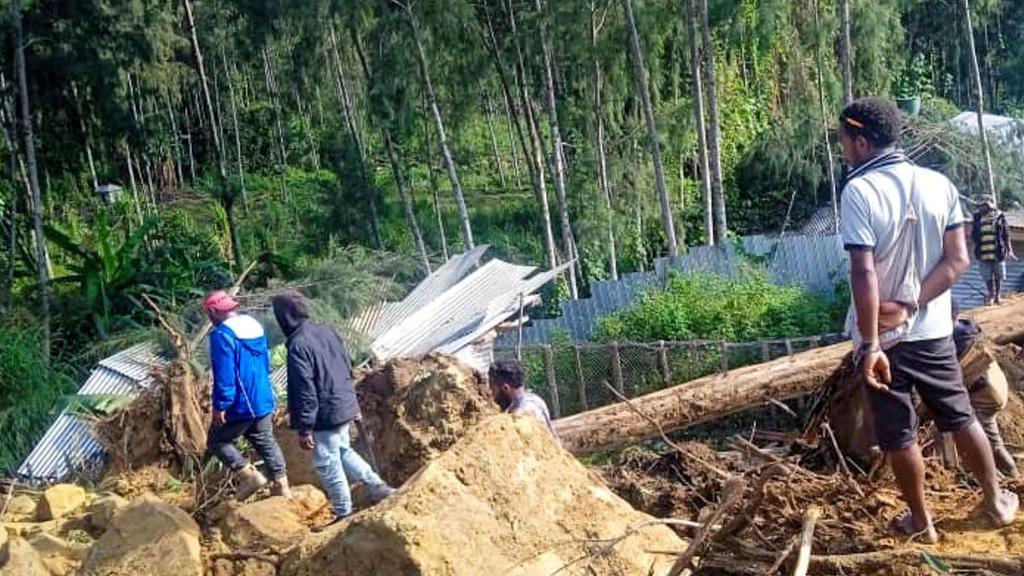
{"x": 803, "y": 558}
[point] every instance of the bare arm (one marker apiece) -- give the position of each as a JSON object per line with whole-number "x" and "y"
{"x": 864, "y": 286}
{"x": 874, "y": 366}
{"x": 953, "y": 264}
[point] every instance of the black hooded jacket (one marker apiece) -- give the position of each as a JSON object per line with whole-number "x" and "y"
{"x": 320, "y": 392}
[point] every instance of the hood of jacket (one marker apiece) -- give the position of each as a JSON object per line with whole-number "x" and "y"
{"x": 291, "y": 311}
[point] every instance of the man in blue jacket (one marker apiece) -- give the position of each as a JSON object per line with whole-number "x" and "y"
{"x": 243, "y": 399}
{"x": 322, "y": 403}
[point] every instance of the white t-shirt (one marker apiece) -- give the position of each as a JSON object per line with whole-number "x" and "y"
{"x": 874, "y": 207}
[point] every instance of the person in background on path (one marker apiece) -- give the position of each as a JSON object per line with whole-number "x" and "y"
{"x": 506, "y": 377}
{"x": 243, "y": 399}
{"x": 903, "y": 228}
{"x": 322, "y": 403}
{"x": 989, "y": 393}
{"x": 992, "y": 246}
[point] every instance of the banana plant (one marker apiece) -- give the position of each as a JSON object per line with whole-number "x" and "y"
{"x": 111, "y": 270}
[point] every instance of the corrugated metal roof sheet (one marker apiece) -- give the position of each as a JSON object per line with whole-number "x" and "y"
{"x": 461, "y": 314}
{"x": 382, "y": 317}
{"x": 68, "y": 443}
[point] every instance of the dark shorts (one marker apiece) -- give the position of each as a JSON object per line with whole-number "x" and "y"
{"x": 930, "y": 367}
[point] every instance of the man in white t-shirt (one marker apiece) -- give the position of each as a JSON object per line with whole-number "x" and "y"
{"x": 903, "y": 227}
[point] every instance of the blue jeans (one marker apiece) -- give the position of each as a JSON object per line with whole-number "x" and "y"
{"x": 337, "y": 462}
{"x": 220, "y": 442}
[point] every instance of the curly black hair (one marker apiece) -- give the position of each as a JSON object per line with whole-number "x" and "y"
{"x": 876, "y": 119}
{"x": 507, "y": 372}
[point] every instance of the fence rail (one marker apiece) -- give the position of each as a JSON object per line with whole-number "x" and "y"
{"x": 571, "y": 377}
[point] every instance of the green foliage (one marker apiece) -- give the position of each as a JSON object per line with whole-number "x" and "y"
{"x": 914, "y": 79}
{"x": 109, "y": 268}
{"x": 708, "y": 306}
{"x": 29, "y": 388}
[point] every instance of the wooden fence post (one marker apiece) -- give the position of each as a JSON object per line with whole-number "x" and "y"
{"x": 666, "y": 374}
{"x": 725, "y": 356}
{"x": 579, "y": 378}
{"x": 617, "y": 369}
{"x": 789, "y": 347}
{"x": 766, "y": 354}
{"x": 549, "y": 368}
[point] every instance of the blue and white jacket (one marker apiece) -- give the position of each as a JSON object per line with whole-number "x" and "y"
{"x": 240, "y": 360}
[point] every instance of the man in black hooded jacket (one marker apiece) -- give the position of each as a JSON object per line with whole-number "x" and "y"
{"x": 322, "y": 403}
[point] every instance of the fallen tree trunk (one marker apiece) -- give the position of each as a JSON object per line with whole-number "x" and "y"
{"x": 713, "y": 397}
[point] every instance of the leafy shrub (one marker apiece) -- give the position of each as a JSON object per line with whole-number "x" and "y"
{"x": 29, "y": 389}
{"x": 709, "y": 306}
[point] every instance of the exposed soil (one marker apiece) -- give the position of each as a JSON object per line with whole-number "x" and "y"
{"x": 1011, "y": 421}
{"x": 416, "y": 409}
{"x": 505, "y": 499}
{"x": 165, "y": 426}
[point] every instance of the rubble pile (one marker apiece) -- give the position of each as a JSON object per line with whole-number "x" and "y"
{"x": 417, "y": 409}
{"x": 165, "y": 426}
{"x": 505, "y": 499}
{"x": 484, "y": 493}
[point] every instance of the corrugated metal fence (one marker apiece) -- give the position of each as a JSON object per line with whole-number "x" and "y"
{"x": 816, "y": 263}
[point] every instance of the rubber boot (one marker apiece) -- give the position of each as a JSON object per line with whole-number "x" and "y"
{"x": 280, "y": 487}
{"x": 1005, "y": 462}
{"x": 248, "y": 480}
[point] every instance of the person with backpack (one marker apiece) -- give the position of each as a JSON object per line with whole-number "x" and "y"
{"x": 992, "y": 246}
{"x": 903, "y": 228}
{"x": 243, "y": 399}
{"x": 989, "y": 393}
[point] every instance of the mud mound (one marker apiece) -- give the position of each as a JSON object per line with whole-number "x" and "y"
{"x": 505, "y": 499}
{"x": 416, "y": 409}
{"x": 165, "y": 426}
{"x": 1011, "y": 421}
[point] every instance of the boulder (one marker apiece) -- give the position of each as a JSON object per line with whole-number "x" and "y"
{"x": 22, "y": 508}
{"x": 19, "y": 558}
{"x": 309, "y": 499}
{"x": 60, "y": 500}
{"x": 103, "y": 509}
{"x": 505, "y": 499}
{"x": 148, "y": 537}
{"x": 274, "y": 521}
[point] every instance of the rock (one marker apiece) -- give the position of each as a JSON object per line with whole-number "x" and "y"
{"x": 103, "y": 510}
{"x": 22, "y": 508}
{"x": 148, "y": 537}
{"x": 273, "y": 521}
{"x": 19, "y": 558}
{"x": 59, "y": 557}
{"x": 60, "y": 500}
{"x": 309, "y": 499}
{"x": 505, "y": 499}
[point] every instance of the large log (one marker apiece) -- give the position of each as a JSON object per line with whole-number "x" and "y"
{"x": 713, "y": 397}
